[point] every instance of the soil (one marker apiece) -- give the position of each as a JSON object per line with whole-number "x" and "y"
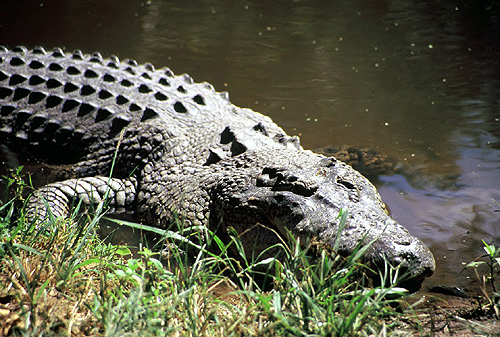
{"x": 448, "y": 315}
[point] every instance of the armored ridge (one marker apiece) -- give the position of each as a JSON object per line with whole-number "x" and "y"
{"x": 184, "y": 148}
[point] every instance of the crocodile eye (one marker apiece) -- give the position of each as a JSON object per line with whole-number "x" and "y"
{"x": 280, "y": 179}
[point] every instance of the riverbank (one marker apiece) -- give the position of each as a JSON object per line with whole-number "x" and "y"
{"x": 65, "y": 279}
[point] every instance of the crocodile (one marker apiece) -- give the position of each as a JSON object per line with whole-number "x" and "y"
{"x": 373, "y": 164}
{"x": 177, "y": 148}
{"x": 368, "y": 162}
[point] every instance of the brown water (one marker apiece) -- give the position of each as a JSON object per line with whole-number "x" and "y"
{"x": 416, "y": 80}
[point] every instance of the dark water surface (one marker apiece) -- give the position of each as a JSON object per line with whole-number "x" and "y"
{"x": 415, "y": 80}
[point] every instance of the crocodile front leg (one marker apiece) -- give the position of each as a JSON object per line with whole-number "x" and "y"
{"x": 60, "y": 196}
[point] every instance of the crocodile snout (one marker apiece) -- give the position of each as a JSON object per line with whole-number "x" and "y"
{"x": 392, "y": 246}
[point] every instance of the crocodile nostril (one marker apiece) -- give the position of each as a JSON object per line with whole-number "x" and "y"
{"x": 346, "y": 184}
{"x": 304, "y": 190}
{"x": 401, "y": 240}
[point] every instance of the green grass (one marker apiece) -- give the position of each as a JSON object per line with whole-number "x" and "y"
{"x": 63, "y": 279}
{"x": 489, "y": 264}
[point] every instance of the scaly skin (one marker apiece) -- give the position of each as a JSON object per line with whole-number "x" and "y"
{"x": 185, "y": 149}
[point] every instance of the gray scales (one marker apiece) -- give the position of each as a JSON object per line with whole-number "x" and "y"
{"x": 184, "y": 149}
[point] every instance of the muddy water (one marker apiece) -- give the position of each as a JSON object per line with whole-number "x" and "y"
{"x": 415, "y": 80}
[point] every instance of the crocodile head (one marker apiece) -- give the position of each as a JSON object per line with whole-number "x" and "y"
{"x": 304, "y": 199}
